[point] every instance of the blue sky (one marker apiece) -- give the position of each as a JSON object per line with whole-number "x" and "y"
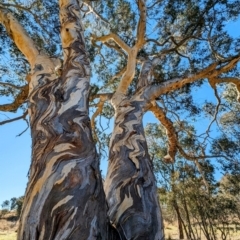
{"x": 15, "y": 155}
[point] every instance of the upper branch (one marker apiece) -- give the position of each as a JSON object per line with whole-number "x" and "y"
{"x": 92, "y": 10}
{"x": 132, "y": 55}
{"x": 141, "y": 24}
{"x": 116, "y": 39}
{"x": 18, "y": 101}
{"x": 72, "y": 37}
{"x": 170, "y": 131}
{"x": 131, "y": 52}
{"x": 5, "y": 84}
{"x": 145, "y": 74}
{"x": 212, "y": 71}
{"x": 103, "y": 99}
{"x": 20, "y": 37}
{"x": 217, "y": 80}
{"x": 14, "y": 119}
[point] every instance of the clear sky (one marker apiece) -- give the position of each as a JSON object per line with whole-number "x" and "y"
{"x": 15, "y": 155}
{"x": 15, "y": 152}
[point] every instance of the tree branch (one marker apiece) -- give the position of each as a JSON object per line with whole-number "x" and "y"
{"x": 132, "y": 54}
{"x": 145, "y": 76}
{"x": 217, "y": 80}
{"x": 103, "y": 96}
{"x": 21, "y": 133}
{"x": 116, "y": 39}
{"x": 18, "y": 101}
{"x": 196, "y": 159}
{"x": 20, "y": 37}
{"x": 141, "y": 24}
{"x": 193, "y": 158}
{"x": 14, "y": 119}
{"x": 215, "y": 113}
{"x": 10, "y": 85}
{"x": 27, "y": 9}
{"x": 116, "y": 47}
{"x": 92, "y": 10}
{"x": 118, "y": 75}
{"x": 154, "y": 91}
{"x": 98, "y": 112}
{"x": 130, "y": 72}
{"x": 158, "y": 43}
{"x": 170, "y": 131}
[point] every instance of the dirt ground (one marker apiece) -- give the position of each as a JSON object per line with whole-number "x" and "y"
{"x": 171, "y": 233}
{"x": 8, "y": 230}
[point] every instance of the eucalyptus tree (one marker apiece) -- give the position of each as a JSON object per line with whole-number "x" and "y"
{"x": 145, "y": 56}
{"x": 64, "y": 198}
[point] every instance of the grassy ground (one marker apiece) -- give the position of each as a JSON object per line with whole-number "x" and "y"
{"x": 8, "y": 227}
{"x": 171, "y": 233}
{"x": 8, "y": 231}
{"x": 8, "y": 236}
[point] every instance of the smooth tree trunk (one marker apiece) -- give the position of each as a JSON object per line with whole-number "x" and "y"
{"x": 179, "y": 219}
{"x": 64, "y": 197}
{"x": 130, "y": 184}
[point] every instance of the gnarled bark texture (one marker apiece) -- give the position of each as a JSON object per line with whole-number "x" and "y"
{"x": 65, "y": 197}
{"x": 130, "y": 184}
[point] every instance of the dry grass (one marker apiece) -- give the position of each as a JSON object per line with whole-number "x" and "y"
{"x": 8, "y": 227}
{"x": 8, "y": 230}
{"x": 171, "y": 232}
{"x": 8, "y": 236}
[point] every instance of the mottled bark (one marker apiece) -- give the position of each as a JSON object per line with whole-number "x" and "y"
{"x": 64, "y": 198}
{"x": 130, "y": 184}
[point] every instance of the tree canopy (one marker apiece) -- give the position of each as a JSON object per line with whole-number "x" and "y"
{"x": 176, "y": 59}
{"x": 186, "y": 44}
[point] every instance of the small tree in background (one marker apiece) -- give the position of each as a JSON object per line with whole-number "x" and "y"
{"x": 190, "y": 194}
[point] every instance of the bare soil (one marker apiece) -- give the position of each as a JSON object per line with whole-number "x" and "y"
{"x": 8, "y": 226}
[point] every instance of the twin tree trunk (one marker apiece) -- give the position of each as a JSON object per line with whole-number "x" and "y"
{"x": 65, "y": 197}
{"x": 130, "y": 184}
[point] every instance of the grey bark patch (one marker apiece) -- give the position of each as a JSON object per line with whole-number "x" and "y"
{"x": 59, "y": 95}
{"x": 38, "y": 67}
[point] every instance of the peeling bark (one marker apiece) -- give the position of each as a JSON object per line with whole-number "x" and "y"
{"x": 130, "y": 184}
{"x": 64, "y": 198}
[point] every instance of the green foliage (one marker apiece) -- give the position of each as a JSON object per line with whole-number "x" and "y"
{"x": 187, "y": 35}
{"x": 14, "y": 204}
{"x": 190, "y": 194}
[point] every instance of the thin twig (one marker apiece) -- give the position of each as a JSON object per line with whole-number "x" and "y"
{"x": 14, "y": 119}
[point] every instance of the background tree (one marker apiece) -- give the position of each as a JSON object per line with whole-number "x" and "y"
{"x": 11, "y": 205}
{"x": 146, "y": 56}
{"x": 5, "y": 207}
{"x": 190, "y": 194}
